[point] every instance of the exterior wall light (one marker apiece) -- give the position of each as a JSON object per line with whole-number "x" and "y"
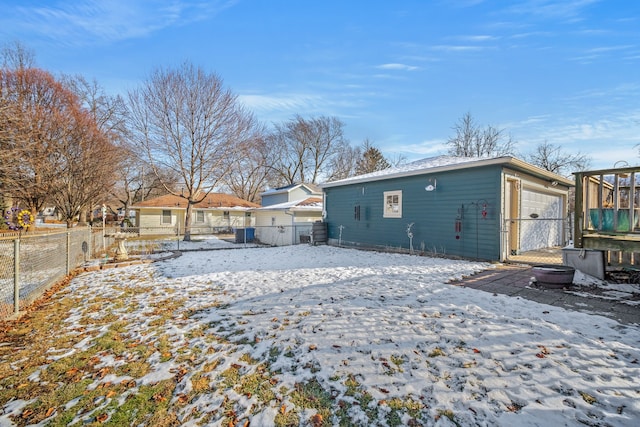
{"x": 433, "y": 184}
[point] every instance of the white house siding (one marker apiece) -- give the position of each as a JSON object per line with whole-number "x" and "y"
{"x": 540, "y": 232}
{"x": 151, "y": 222}
{"x": 301, "y": 194}
{"x": 217, "y": 221}
{"x": 214, "y": 221}
{"x": 275, "y": 227}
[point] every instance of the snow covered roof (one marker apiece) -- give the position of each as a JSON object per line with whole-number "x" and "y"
{"x": 212, "y": 201}
{"x": 309, "y": 204}
{"x": 446, "y": 163}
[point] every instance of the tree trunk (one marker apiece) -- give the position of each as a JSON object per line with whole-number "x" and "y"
{"x": 187, "y": 222}
{"x": 82, "y": 220}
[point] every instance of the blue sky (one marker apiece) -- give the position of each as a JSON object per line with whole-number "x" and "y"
{"x": 400, "y": 73}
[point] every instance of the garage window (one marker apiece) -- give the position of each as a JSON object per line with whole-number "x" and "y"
{"x": 392, "y": 204}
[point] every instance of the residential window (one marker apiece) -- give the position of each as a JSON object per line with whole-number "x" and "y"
{"x": 356, "y": 212}
{"x": 225, "y": 214}
{"x": 392, "y": 204}
{"x": 166, "y": 217}
{"x": 199, "y": 216}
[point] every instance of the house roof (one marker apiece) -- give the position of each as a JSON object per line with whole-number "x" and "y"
{"x": 288, "y": 188}
{"x": 449, "y": 163}
{"x": 212, "y": 201}
{"x": 309, "y": 204}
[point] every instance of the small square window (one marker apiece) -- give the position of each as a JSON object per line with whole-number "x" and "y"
{"x": 392, "y": 204}
{"x": 166, "y": 217}
{"x": 225, "y": 214}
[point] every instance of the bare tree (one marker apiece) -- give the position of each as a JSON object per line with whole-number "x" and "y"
{"x": 17, "y": 56}
{"x": 306, "y": 147}
{"x": 109, "y": 112}
{"x": 350, "y": 161}
{"x": 110, "y": 116}
{"x": 551, "y": 157}
{"x": 250, "y": 175}
{"x": 185, "y": 121}
{"x": 473, "y": 141}
{"x": 89, "y": 167}
{"x": 344, "y": 164}
{"x": 137, "y": 182}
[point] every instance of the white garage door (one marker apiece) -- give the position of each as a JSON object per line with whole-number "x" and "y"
{"x": 541, "y": 225}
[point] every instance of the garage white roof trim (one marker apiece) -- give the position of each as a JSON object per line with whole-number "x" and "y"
{"x": 447, "y": 163}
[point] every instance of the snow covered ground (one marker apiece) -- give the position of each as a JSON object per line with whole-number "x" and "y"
{"x": 384, "y": 335}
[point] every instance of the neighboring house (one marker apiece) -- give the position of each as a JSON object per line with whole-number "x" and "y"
{"x": 287, "y": 223}
{"x": 481, "y": 208}
{"x": 290, "y": 193}
{"x": 287, "y": 214}
{"x": 217, "y": 213}
{"x": 47, "y": 213}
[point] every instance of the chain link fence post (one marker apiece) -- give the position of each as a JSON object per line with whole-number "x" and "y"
{"x": 68, "y": 252}
{"x": 16, "y": 275}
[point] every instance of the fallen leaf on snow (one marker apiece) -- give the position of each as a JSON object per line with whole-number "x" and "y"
{"x": 316, "y": 420}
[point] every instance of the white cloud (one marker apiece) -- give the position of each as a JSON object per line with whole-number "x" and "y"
{"x": 396, "y": 66}
{"x": 277, "y": 107}
{"x": 606, "y": 139}
{"x": 427, "y": 148}
{"x": 456, "y": 48}
{"x": 91, "y": 21}
{"x": 479, "y": 38}
{"x": 561, "y": 9}
{"x": 387, "y": 76}
{"x": 282, "y": 102}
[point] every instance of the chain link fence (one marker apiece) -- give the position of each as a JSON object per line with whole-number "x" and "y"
{"x": 31, "y": 263}
{"x": 536, "y": 240}
{"x": 146, "y": 240}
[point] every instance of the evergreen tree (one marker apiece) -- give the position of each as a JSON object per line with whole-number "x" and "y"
{"x": 372, "y": 159}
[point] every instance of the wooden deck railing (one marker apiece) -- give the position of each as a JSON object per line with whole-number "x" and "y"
{"x": 607, "y": 212}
